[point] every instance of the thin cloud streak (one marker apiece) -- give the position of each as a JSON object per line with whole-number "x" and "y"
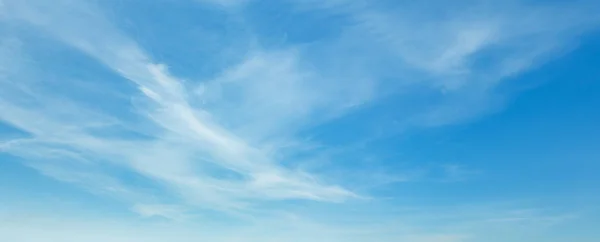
{"x": 239, "y": 141}
{"x": 178, "y": 123}
{"x": 462, "y": 52}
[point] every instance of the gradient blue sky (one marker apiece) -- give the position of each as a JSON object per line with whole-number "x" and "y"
{"x": 299, "y": 120}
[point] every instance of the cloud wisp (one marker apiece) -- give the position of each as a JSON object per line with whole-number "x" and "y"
{"x": 94, "y": 105}
{"x": 182, "y": 138}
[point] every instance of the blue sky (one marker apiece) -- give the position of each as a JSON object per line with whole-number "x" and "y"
{"x": 299, "y": 120}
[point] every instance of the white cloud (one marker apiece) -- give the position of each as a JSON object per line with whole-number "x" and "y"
{"x": 461, "y": 50}
{"x": 184, "y": 137}
{"x": 221, "y": 144}
{"x": 275, "y": 94}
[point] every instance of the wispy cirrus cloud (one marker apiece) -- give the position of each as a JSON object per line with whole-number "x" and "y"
{"x": 181, "y": 138}
{"x": 244, "y": 138}
{"x": 463, "y": 51}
